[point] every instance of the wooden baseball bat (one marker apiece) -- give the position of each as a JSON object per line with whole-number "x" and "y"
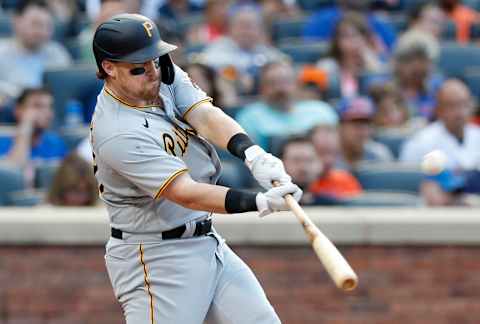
{"x": 335, "y": 264}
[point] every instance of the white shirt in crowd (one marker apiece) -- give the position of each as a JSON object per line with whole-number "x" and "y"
{"x": 464, "y": 155}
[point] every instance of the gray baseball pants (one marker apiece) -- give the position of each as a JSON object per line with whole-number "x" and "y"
{"x": 185, "y": 281}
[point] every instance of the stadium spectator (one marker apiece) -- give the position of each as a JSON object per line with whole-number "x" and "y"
{"x": 25, "y": 56}
{"x": 321, "y": 24}
{"x": 451, "y": 133}
{"x": 67, "y": 18}
{"x": 241, "y": 53}
{"x": 463, "y": 17}
{"x": 352, "y": 52}
{"x": 214, "y": 26}
{"x": 108, "y": 9}
{"x": 277, "y": 113}
{"x": 208, "y": 80}
{"x": 175, "y": 10}
{"x": 302, "y": 164}
{"x": 427, "y": 18}
{"x": 444, "y": 189}
{"x": 391, "y": 112}
{"x": 413, "y": 73}
{"x": 34, "y": 143}
{"x": 313, "y": 83}
{"x": 332, "y": 182}
{"x": 277, "y": 10}
{"x": 73, "y": 184}
{"x": 356, "y": 135}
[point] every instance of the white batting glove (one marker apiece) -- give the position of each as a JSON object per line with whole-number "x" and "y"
{"x": 265, "y": 167}
{"x": 272, "y": 200}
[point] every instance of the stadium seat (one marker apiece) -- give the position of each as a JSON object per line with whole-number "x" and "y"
{"x": 449, "y": 31}
{"x": 303, "y": 53}
{"x": 5, "y": 25}
{"x": 399, "y": 22}
{"x": 74, "y": 48}
{"x": 12, "y": 181}
{"x": 77, "y": 82}
{"x": 394, "y": 177}
{"x": 384, "y": 199}
{"x": 471, "y": 77}
{"x": 455, "y": 58}
{"x": 394, "y": 142}
{"x": 44, "y": 174}
{"x": 474, "y": 4}
{"x": 309, "y": 5}
{"x": 285, "y": 29}
{"x": 475, "y": 31}
{"x": 73, "y": 136}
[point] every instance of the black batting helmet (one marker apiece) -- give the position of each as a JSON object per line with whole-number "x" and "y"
{"x": 132, "y": 38}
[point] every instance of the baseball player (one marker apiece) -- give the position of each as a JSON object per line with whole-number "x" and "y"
{"x": 156, "y": 171}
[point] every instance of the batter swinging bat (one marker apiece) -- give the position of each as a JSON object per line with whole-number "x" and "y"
{"x": 335, "y": 264}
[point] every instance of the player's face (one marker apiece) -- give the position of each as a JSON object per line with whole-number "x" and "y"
{"x": 140, "y": 81}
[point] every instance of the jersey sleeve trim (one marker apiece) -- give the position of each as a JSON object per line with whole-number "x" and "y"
{"x": 168, "y": 181}
{"x": 196, "y": 105}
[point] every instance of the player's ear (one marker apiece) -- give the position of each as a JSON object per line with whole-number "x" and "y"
{"x": 109, "y": 68}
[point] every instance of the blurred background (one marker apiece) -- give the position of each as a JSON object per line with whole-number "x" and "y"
{"x": 383, "y": 82}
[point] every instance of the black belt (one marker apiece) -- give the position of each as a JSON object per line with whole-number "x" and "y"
{"x": 201, "y": 228}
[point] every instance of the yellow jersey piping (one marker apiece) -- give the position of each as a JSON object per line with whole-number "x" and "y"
{"x": 196, "y": 105}
{"x": 147, "y": 282}
{"x": 110, "y": 93}
{"x": 168, "y": 181}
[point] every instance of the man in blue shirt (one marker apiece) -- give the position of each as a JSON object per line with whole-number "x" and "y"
{"x": 278, "y": 114}
{"x": 33, "y": 140}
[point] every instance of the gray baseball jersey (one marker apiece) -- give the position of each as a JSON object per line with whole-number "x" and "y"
{"x": 138, "y": 151}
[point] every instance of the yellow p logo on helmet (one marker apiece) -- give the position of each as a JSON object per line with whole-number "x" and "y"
{"x": 148, "y": 28}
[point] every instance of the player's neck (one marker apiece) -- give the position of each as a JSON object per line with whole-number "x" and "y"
{"x": 130, "y": 100}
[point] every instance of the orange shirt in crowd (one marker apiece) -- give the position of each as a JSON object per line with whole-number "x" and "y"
{"x": 337, "y": 184}
{"x": 463, "y": 17}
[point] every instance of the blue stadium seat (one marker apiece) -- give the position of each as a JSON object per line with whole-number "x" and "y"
{"x": 12, "y": 182}
{"x": 44, "y": 175}
{"x": 389, "y": 177}
{"x": 383, "y": 199}
{"x": 475, "y": 31}
{"x": 72, "y": 136}
{"x": 449, "y": 31}
{"x": 394, "y": 142}
{"x": 399, "y": 22}
{"x": 285, "y": 29}
{"x": 309, "y": 52}
{"x": 77, "y": 82}
{"x": 5, "y": 25}
{"x": 455, "y": 58}
{"x": 474, "y": 4}
{"x": 309, "y": 5}
{"x": 471, "y": 77}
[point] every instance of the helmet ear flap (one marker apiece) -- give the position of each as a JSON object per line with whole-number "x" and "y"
{"x": 167, "y": 69}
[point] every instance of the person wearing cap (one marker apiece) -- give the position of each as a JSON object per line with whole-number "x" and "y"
{"x": 356, "y": 134}
{"x": 152, "y": 137}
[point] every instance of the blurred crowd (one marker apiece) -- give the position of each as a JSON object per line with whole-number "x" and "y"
{"x": 350, "y": 94}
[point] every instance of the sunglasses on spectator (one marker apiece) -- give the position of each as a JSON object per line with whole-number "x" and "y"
{"x": 141, "y": 70}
